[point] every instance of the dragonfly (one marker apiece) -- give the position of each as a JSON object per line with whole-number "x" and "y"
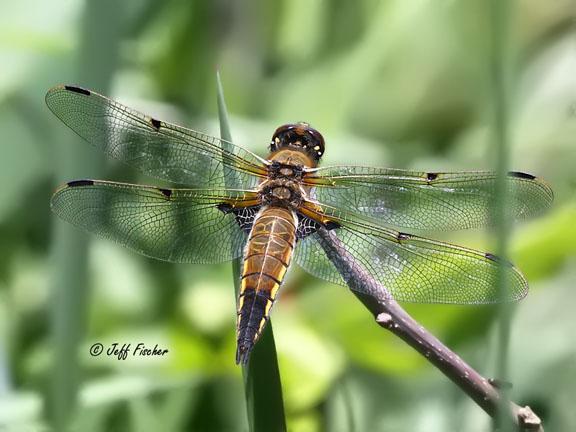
{"x": 271, "y": 211}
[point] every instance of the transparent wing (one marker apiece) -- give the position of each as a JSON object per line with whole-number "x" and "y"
{"x": 178, "y": 225}
{"x": 439, "y": 201}
{"x": 157, "y": 148}
{"x": 411, "y": 268}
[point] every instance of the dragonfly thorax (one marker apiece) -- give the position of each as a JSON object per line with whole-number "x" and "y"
{"x": 281, "y": 192}
{"x": 279, "y": 170}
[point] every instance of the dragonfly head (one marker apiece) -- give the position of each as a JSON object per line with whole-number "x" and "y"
{"x": 301, "y": 136}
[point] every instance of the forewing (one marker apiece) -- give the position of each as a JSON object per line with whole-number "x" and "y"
{"x": 157, "y": 148}
{"x": 411, "y": 268}
{"x": 178, "y": 225}
{"x": 419, "y": 200}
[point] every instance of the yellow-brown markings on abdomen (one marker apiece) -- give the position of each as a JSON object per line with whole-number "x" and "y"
{"x": 266, "y": 259}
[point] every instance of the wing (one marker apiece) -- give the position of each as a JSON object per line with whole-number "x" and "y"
{"x": 411, "y": 268}
{"x": 439, "y": 201}
{"x": 178, "y": 225}
{"x": 157, "y": 148}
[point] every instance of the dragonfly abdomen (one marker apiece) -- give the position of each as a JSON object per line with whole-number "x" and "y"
{"x": 266, "y": 259}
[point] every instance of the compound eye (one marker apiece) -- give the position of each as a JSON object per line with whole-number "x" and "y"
{"x": 274, "y": 143}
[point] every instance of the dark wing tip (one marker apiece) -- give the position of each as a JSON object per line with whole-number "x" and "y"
{"x": 519, "y": 174}
{"x": 77, "y": 183}
{"x": 548, "y": 193}
{"x": 498, "y": 260}
{"x": 63, "y": 187}
{"x": 78, "y": 90}
{"x": 521, "y": 286}
{"x": 62, "y": 87}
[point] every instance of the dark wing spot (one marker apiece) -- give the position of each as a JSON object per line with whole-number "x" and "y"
{"x": 521, "y": 175}
{"x": 492, "y": 257}
{"x": 498, "y": 260}
{"x": 155, "y": 123}
{"x": 166, "y": 192}
{"x": 330, "y": 225}
{"x": 403, "y": 236}
{"x": 224, "y": 207}
{"x": 431, "y": 176}
{"x": 78, "y": 90}
{"x": 76, "y": 183}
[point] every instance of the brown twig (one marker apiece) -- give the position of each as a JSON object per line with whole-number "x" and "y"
{"x": 390, "y": 315}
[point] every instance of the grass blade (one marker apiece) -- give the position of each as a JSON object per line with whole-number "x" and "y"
{"x": 500, "y": 83}
{"x": 263, "y": 388}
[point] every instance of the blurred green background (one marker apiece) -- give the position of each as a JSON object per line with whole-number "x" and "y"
{"x": 394, "y": 83}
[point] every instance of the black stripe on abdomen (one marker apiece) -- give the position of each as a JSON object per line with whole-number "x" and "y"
{"x": 258, "y": 302}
